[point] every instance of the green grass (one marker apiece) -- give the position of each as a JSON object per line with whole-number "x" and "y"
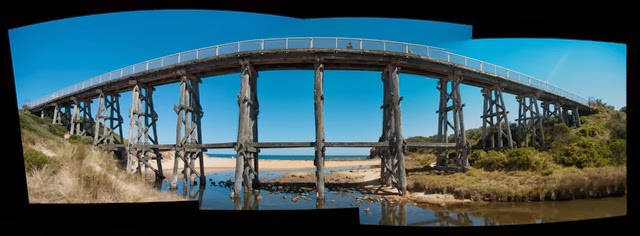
{"x": 34, "y": 159}
{"x": 563, "y": 183}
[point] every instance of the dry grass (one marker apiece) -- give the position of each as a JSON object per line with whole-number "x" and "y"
{"x": 81, "y": 174}
{"x": 88, "y": 176}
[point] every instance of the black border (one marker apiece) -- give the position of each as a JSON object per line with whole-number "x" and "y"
{"x": 602, "y": 22}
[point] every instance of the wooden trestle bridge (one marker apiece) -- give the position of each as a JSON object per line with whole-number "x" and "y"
{"x": 71, "y": 106}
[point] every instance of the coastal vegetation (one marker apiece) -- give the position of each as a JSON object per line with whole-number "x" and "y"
{"x": 588, "y": 161}
{"x": 69, "y": 170}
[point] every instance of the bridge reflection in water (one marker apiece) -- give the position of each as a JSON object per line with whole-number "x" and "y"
{"x": 409, "y": 214}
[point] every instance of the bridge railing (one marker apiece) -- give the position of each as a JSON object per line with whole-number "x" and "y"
{"x": 309, "y": 43}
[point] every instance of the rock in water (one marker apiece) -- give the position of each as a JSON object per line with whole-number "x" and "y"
{"x": 259, "y": 197}
{"x": 279, "y": 187}
{"x": 284, "y": 197}
{"x": 294, "y": 199}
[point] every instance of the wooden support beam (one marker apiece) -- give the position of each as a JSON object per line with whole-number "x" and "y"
{"x": 529, "y": 122}
{"x": 399, "y": 141}
{"x": 244, "y": 148}
{"x": 492, "y": 132}
{"x": 431, "y": 145}
{"x": 319, "y": 124}
{"x": 188, "y": 132}
{"x": 142, "y": 133}
{"x": 452, "y": 93}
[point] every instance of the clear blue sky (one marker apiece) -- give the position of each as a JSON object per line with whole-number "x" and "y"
{"x": 50, "y": 56}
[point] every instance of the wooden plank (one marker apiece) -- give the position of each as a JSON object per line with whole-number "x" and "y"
{"x": 283, "y": 144}
{"x": 218, "y": 145}
{"x": 430, "y": 145}
{"x": 356, "y": 144}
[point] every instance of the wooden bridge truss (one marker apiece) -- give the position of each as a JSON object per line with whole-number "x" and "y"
{"x": 451, "y": 150}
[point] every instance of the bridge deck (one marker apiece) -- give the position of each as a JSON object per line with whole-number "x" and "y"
{"x": 332, "y": 58}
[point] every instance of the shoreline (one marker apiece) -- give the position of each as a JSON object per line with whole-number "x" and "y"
{"x": 218, "y": 163}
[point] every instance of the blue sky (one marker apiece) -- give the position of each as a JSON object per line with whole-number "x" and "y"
{"x": 50, "y": 56}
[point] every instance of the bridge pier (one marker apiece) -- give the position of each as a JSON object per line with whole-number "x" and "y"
{"x": 81, "y": 120}
{"x": 548, "y": 113}
{"x": 529, "y": 124}
{"x": 66, "y": 116}
{"x": 247, "y": 125}
{"x": 189, "y": 116}
{"x": 108, "y": 112}
{"x": 444, "y": 157}
{"x": 318, "y": 95}
{"x": 387, "y": 164}
{"x": 494, "y": 107}
{"x": 57, "y": 114}
{"x": 397, "y": 142}
{"x": 572, "y": 116}
{"x": 142, "y": 131}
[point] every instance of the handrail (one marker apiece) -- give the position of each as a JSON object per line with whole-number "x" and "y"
{"x": 360, "y": 44}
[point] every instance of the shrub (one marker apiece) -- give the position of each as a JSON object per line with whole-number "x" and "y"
{"x": 34, "y": 159}
{"x": 491, "y": 161}
{"x": 547, "y": 172}
{"x": 475, "y": 155}
{"x": 619, "y": 151}
{"x": 560, "y": 131}
{"x": 584, "y": 152}
{"x": 584, "y": 120}
{"x": 617, "y": 125}
{"x": 592, "y": 130}
{"x": 522, "y": 159}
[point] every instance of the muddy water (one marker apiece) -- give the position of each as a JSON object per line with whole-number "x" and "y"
{"x": 387, "y": 213}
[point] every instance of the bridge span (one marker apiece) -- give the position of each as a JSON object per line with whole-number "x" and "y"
{"x": 540, "y": 104}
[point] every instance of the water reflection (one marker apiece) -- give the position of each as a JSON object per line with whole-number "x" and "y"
{"x": 394, "y": 213}
{"x": 320, "y": 203}
{"x": 248, "y": 201}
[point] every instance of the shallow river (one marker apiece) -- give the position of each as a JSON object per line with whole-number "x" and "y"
{"x": 385, "y": 213}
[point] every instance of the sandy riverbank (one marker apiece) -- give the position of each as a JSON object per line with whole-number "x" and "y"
{"x": 217, "y": 163}
{"x": 367, "y": 182}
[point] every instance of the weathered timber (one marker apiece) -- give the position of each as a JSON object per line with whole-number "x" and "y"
{"x": 529, "y": 122}
{"x": 319, "y": 124}
{"x": 142, "y": 131}
{"x": 189, "y": 122}
{"x": 245, "y": 151}
{"x": 400, "y": 172}
{"x": 81, "y": 119}
{"x": 492, "y": 131}
{"x": 548, "y": 113}
{"x": 255, "y": 110}
{"x": 446, "y": 158}
{"x": 388, "y": 130}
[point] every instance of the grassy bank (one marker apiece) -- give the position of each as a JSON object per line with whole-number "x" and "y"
{"x": 478, "y": 184}
{"x": 584, "y": 162}
{"x": 60, "y": 170}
